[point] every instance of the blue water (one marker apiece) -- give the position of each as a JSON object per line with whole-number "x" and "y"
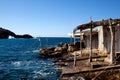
{"x": 20, "y": 59}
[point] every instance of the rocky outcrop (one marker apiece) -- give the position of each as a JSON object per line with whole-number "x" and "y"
{"x": 61, "y": 49}
{"x": 23, "y": 36}
{"x": 54, "y": 52}
{"x": 4, "y": 34}
{"x": 48, "y": 52}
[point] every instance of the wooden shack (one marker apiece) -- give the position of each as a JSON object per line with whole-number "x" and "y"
{"x": 105, "y": 39}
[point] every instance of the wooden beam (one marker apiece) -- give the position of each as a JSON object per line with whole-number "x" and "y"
{"x": 90, "y": 56}
{"x": 75, "y": 58}
{"x": 97, "y": 23}
{"x": 114, "y": 55}
{"x": 74, "y": 40}
{"x": 81, "y": 40}
{"x": 111, "y": 33}
{"x": 82, "y": 58}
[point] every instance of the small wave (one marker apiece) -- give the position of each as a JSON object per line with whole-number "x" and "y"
{"x": 34, "y": 51}
{"x": 1, "y": 62}
{"x": 17, "y": 63}
{"x": 40, "y": 74}
{"x": 25, "y": 64}
{"x": 21, "y": 63}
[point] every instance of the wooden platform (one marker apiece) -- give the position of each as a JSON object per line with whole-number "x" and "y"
{"x": 70, "y": 59}
{"x": 76, "y": 70}
{"x": 85, "y": 67}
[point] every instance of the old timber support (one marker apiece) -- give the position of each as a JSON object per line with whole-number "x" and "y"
{"x": 91, "y": 42}
{"x": 111, "y": 52}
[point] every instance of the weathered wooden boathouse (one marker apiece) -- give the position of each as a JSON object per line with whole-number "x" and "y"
{"x": 105, "y": 38}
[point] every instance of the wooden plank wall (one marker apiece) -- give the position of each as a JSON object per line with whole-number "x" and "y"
{"x": 102, "y": 40}
{"x": 94, "y": 41}
{"x": 117, "y": 39}
{"x": 107, "y": 39}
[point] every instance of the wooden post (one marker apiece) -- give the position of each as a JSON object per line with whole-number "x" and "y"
{"x": 74, "y": 39}
{"x": 90, "y": 56}
{"x": 47, "y": 42}
{"x": 74, "y": 58}
{"x": 111, "y": 33}
{"x": 70, "y": 39}
{"x": 81, "y": 39}
{"x": 114, "y": 55}
{"x": 40, "y": 41}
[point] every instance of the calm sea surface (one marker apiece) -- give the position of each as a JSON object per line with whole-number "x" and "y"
{"x": 20, "y": 59}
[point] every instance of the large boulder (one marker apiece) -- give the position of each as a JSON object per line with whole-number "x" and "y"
{"x": 62, "y": 49}
{"x": 72, "y": 48}
{"x": 47, "y": 51}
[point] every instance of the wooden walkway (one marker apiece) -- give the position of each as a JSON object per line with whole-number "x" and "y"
{"x": 83, "y": 66}
{"x": 71, "y": 71}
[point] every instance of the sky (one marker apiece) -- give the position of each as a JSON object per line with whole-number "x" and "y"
{"x": 53, "y": 18}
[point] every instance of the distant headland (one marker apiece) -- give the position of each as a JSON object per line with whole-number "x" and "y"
{"x": 5, "y": 34}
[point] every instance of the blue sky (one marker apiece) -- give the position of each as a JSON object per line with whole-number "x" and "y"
{"x": 53, "y": 18}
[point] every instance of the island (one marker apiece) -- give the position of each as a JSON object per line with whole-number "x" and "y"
{"x": 5, "y": 33}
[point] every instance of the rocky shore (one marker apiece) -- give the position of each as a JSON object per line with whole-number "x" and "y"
{"x": 84, "y": 70}
{"x": 81, "y": 69}
{"x": 60, "y": 50}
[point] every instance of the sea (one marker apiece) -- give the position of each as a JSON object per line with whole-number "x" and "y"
{"x": 20, "y": 59}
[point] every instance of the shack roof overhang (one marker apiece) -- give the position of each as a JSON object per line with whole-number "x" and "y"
{"x": 84, "y": 32}
{"x": 97, "y": 23}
